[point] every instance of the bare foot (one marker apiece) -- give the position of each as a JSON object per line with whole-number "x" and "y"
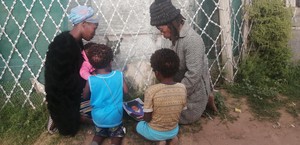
{"x": 174, "y": 141}
{"x": 160, "y": 143}
{"x": 211, "y": 103}
{"x": 51, "y": 126}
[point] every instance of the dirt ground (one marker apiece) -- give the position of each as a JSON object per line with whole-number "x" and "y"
{"x": 245, "y": 130}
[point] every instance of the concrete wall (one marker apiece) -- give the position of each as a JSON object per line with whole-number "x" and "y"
{"x": 295, "y": 41}
{"x": 128, "y": 24}
{"x": 130, "y": 20}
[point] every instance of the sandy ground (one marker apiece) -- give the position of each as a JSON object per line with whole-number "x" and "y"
{"x": 245, "y": 130}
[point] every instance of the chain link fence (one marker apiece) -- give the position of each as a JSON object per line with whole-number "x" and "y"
{"x": 28, "y": 26}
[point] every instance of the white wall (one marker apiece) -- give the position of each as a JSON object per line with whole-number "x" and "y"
{"x": 130, "y": 20}
{"x": 295, "y": 41}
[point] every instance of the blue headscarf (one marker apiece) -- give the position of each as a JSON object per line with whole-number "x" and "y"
{"x": 82, "y": 13}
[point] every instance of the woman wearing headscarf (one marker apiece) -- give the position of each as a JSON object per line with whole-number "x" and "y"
{"x": 63, "y": 83}
{"x": 193, "y": 70}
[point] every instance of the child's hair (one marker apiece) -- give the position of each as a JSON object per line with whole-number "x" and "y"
{"x": 99, "y": 55}
{"x": 88, "y": 45}
{"x": 165, "y": 61}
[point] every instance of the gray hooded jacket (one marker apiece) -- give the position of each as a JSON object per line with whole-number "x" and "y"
{"x": 193, "y": 73}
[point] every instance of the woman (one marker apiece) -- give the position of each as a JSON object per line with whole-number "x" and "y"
{"x": 63, "y": 83}
{"x": 193, "y": 70}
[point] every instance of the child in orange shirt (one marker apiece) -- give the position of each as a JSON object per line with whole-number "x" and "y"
{"x": 163, "y": 102}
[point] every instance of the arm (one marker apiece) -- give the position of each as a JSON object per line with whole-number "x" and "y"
{"x": 147, "y": 116}
{"x": 86, "y": 91}
{"x": 85, "y": 69}
{"x": 148, "y": 105}
{"x": 194, "y": 61}
{"x": 125, "y": 88}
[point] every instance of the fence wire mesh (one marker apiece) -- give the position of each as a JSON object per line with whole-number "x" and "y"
{"x": 28, "y": 26}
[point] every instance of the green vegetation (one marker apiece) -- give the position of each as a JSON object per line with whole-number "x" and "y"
{"x": 223, "y": 110}
{"x": 19, "y": 122}
{"x": 21, "y": 125}
{"x": 267, "y": 74}
{"x": 291, "y": 89}
{"x": 269, "y": 36}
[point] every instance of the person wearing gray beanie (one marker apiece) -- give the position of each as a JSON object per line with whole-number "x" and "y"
{"x": 189, "y": 46}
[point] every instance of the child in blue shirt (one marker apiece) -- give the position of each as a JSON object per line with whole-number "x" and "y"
{"x": 105, "y": 90}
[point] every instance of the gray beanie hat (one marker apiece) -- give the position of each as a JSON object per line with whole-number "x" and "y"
{"x": 162, "y": 12}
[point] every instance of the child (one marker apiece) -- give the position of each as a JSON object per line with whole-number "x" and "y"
{"x": 163, "y": 102}
{"x": 105, "y": 90}
{"x": 86, "y": 70}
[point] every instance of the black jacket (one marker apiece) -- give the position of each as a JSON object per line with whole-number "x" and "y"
{"x": 63, "y": 83}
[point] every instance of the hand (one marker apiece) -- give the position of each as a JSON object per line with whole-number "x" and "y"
{"x": 93, "y": 73}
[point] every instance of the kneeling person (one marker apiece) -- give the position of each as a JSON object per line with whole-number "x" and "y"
{"x": 105, "y": 89}
{"x": 163, "y": 102}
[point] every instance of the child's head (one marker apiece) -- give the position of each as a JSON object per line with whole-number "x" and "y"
{"x": 99, "y": 55}
{"x": 88, "y": 45}
{"x": 165, "y": 61}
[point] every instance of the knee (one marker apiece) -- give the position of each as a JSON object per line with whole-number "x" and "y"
{"x": 173, "y": 141}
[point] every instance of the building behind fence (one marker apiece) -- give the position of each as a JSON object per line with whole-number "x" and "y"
{"x": 28, "y": 26}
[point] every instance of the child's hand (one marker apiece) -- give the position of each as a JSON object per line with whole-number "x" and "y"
{"x": 93, "y": 73}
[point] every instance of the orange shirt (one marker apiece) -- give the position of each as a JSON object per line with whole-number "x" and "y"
{"x": 166, "y": 103}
